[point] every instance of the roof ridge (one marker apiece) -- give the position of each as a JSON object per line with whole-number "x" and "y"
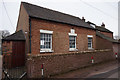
{"x": 51, "y": 9}
{"x": 19, "y": 35}
{"x": 97, "y": 27}
{"x": 36, "y": 11}
{"x": 13, "y": 33}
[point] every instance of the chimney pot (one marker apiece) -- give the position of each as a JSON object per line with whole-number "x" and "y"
{"x": 103, "y": 25}
{"x": 83, "y": 19}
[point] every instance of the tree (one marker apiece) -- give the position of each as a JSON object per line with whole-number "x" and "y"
{"x": 5, "y": 33}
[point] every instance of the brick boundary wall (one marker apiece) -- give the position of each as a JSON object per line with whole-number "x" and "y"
{"x": 60, "y": 63}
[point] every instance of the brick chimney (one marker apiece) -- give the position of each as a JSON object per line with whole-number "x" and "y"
{"x": 83, "y": 19}
{"x": 103, "y": 25}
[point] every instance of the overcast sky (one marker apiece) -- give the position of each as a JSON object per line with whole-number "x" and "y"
{"x": 96, "y": 11}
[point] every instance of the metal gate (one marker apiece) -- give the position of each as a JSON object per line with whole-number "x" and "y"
{"x": 15, "y": 73}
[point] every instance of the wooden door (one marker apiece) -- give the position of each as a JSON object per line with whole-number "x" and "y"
{"x": 18, "y": 54}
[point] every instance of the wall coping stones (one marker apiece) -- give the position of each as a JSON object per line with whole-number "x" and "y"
{"x": 62, "y": 54}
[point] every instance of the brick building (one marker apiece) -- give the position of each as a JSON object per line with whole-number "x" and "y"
{"x": 49, "y": 31}
{"x": 60, "y": 39}
{"x": 104, "y": 38}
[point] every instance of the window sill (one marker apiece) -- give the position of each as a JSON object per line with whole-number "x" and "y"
{"x": 91, "y": 48}
{"x": 73, "y": 49}
{"x": 46, "y": 50}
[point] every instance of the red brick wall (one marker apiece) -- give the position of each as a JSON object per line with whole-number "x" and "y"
{"x": 108, "y": 34}
{"x": 60, "y": 63}
{"x": 103, "y": 43}
{"x": 60, "y": 37}
{"x": 116, "y": 48}
{"x": 7, "y": 53}
{"x": 7, "y": 47}
{"x": 23, "y": 24}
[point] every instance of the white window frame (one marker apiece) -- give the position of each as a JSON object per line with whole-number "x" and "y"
{"x": 90, "y": 36}
{"x": 72, "y": 34}
{"x": 46, "y": 32}
{"x": 75, "y": 35}
{"x": 72, "y": 30}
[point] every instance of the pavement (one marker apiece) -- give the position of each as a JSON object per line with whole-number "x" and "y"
{"x": 90, "y": 71}
{"x": 0, "y": 67}
{"x": 115, "y": 75}
{"x": 109, "y": 67}
{"x": 107, "y": 74}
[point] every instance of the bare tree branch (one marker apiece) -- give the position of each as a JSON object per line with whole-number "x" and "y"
{"x": 5, "y": 33}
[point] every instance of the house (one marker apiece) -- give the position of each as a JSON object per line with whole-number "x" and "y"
{"x": 61, "y": 41}
{"x": 102, "y": 34}
{"x": 49, "y": 31}
{"x": 105, "y": 37}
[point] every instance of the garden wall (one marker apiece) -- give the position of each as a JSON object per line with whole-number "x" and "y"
{"x": 60, "y": 63}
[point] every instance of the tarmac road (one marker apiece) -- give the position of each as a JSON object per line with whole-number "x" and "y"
{"x": 112, "y": 74}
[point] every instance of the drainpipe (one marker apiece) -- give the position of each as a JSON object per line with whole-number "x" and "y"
{"x": 29, "y": 35}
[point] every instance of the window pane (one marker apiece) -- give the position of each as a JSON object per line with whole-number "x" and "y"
{"x": 49, "y": 39}
{"x": 46, "y": 41}
{"x": 72, "y": 41}
{"x": 47, "y": 45}
{"x": 89, "y": 42}
{"x": 47, "y": 35}
{"x": 41, "y": 36}
{"x": 41, "y": 46}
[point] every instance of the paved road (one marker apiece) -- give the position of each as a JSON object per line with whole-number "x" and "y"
{"x": 0, "y": 67}
{"x": 115, "y": 73}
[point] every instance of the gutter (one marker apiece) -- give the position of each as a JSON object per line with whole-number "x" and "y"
{"x": 29, "y": 35}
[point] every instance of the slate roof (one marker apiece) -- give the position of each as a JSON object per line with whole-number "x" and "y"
{"x": 91, "y": 23}
{"x": 17, "y": 36}
{"x": 52, "y": 15}
{"x": 106, "y": 37}
{"x": 100, "y": 28}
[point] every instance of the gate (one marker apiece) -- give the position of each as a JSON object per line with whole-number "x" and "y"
{"x": 18, "y": 53}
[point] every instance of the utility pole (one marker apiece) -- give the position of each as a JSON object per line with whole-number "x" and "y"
{"x": 119, "y": 19}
